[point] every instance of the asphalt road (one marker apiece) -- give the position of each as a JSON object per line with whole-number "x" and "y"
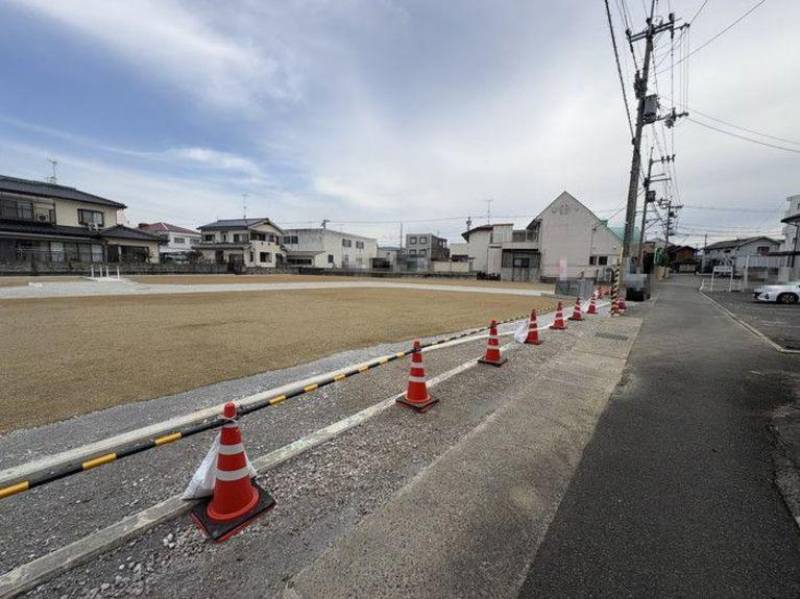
{"x": 675, "y": 495}
{"x": 779, "y": 322}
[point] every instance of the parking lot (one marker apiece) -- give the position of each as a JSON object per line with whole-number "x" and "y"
{"x": 779, "y": 322}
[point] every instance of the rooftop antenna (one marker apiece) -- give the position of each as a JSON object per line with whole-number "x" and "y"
{"x": 469, "y": 223}
{"x": 325, "y": 222}
{"x": 244, "y": 206}
{"x": 53, "y": 178}
{"x": 489, "y": 211}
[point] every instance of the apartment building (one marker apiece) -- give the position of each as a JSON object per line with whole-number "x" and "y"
{"x": 427, "y": 245}
{"x": 175, "y": 243}
{"x": 45, "y": 222}
{"x": 326, "y": 248}
{"x": 242, "y": 242}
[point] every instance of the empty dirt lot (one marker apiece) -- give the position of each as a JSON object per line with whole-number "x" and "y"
{"x": 69, "y": 356}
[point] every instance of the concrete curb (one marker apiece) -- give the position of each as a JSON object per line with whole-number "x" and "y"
{"x": 749, "y": 327}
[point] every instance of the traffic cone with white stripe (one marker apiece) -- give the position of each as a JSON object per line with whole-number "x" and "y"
{"x": 237, "y": 499}
{"x": 533, "y": 331}
{"x": 558, "y": 323}
{"x": 621, "y": 304}
{"x": 592, "y": 306}
{"x": 493, "y": 357}
{"x": 577, "y": 313}
{"x": 417, "y": 395}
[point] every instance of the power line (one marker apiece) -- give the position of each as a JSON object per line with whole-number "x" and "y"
{"x": 619, "y": 68}
{"x": 720, "y": 209}
{"x": 750, "y": 139}
{"x": 707, "y": 42}
{"x": 708, "y": 116}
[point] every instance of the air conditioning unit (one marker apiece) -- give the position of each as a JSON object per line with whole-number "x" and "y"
{"x": 93, "y": 226}
{"x": 42, "y": 218}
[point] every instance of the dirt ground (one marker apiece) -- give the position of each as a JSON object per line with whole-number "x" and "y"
{"x": 22, "y": 281}
{"x": 284, "y": 278}
{"x": 69, "y": 356}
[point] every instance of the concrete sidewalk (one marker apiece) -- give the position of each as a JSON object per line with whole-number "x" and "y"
{"x": 470, "y": 524}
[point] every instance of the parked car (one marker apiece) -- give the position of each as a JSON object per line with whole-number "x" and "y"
{"x": 787, "y": 293}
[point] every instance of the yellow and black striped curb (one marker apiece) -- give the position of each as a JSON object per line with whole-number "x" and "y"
{"x": 124, "y": 452}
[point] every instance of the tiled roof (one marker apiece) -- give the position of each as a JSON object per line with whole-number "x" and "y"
{"x": 166, "y": 227}
{"x": 123, "y": 232}
{"x": 51, "y": 190}
{"x": 237, "y": 223}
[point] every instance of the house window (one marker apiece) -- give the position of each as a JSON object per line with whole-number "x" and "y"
{"x": 423, "y": 252}
{"x": 179, "y": 240}
{"x": 412, "y": 240}
{"x": 330, "y": 258}
{"x": 252, "y": 256}
{"x": 602, "y": 260}
{"x": 208, "y": 237}
{"x": 762, "y": 250}
{"x": 412, "y": 252}
{"x": 90, "y": 217}
{"x": 592, "y": 260}
{"x": 423, "y": 240}
{"x": 347, "y": 243}
{"x": 360, "y": 245}
{"x": 224, "y": 237}
{"x": 290, "y": 239}
{"x": 265, "y": 257}
{"x": 236, "y": 239}
{"x": 255, "y": 236}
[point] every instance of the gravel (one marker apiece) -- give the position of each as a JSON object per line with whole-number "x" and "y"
{"x": 320, "y": 495}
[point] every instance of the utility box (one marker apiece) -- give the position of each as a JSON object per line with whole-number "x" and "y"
{"x": 575, "y": 287}
{"x": 650, "y": 109}
{"x": 637, "y": 287}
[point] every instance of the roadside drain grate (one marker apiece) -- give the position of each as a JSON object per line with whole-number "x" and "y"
{"x": 611, "y": 336}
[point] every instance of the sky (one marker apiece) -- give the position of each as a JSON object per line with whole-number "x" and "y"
{"x": 372, "y": 112}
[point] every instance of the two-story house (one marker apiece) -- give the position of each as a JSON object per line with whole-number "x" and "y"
{"x": 176, "y": 242}
{"x": 427, "y": 245}
{"x": 49, "y": 223}
{"x": 247, "y": 242}
{"x": 326, "y": 248}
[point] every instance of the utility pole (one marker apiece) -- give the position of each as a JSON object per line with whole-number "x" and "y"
{"x": 672, "y": 212}
{"x": 646, "y": 113}
{"x": 650, "y": 198}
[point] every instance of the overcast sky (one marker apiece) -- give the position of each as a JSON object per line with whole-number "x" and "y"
{"x": 384, "y": 110}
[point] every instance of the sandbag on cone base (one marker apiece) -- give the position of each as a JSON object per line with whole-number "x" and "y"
{"x": 420, "y": 407}
{"x": 493, "y": 356}
{"x": 236, "y": 499}
{"x": 499, "y": 362}
{"x": 219, "y": 531}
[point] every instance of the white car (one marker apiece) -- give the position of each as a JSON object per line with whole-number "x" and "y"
{"x": 787, "y": 293}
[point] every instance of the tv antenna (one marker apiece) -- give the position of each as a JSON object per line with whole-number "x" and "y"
{"x": 244, "y": 206}
{"x": 53, "y": 178}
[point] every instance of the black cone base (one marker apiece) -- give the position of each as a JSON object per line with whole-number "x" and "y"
{"x": 418, "y": 406}
{"x": 222, "y": 531}
{"x": 499, "y": 363}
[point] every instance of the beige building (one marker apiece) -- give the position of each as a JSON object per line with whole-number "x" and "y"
{"x": 49, "y": 223}
{"x": 250, "y": 242}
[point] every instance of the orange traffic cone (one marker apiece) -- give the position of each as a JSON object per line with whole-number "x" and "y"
{"x": 533, "y": 331}
{"x": 493, "y": 356}
{"x": 237, "y": 499}
{"x": 592, "y": 306}
{"x": 577, "y": 314}
{"x": 417, "y": 396}
{"x": 558, "y": 323}
{"x": 621, "y": 304}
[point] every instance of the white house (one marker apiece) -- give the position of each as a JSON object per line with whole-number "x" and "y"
{"x": 790, "y": 248}
{"x": 573, "y": 239}
{"x": 733, "y": 249}
{"x": 566, "y": 238}
{"x": 175, "y": 242}
{"x": 251, "y": 242}
{"x": 326, "y": 248}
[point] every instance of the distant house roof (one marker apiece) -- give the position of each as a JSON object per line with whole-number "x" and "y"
{"x": 466, "y": 234}
{"x": 52, "y": 190}
{"x": 123, "y": 232}
{"x": 237, "y": 223}
{"x": 165, "y": 228}
{"x": 737, "y": 243}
